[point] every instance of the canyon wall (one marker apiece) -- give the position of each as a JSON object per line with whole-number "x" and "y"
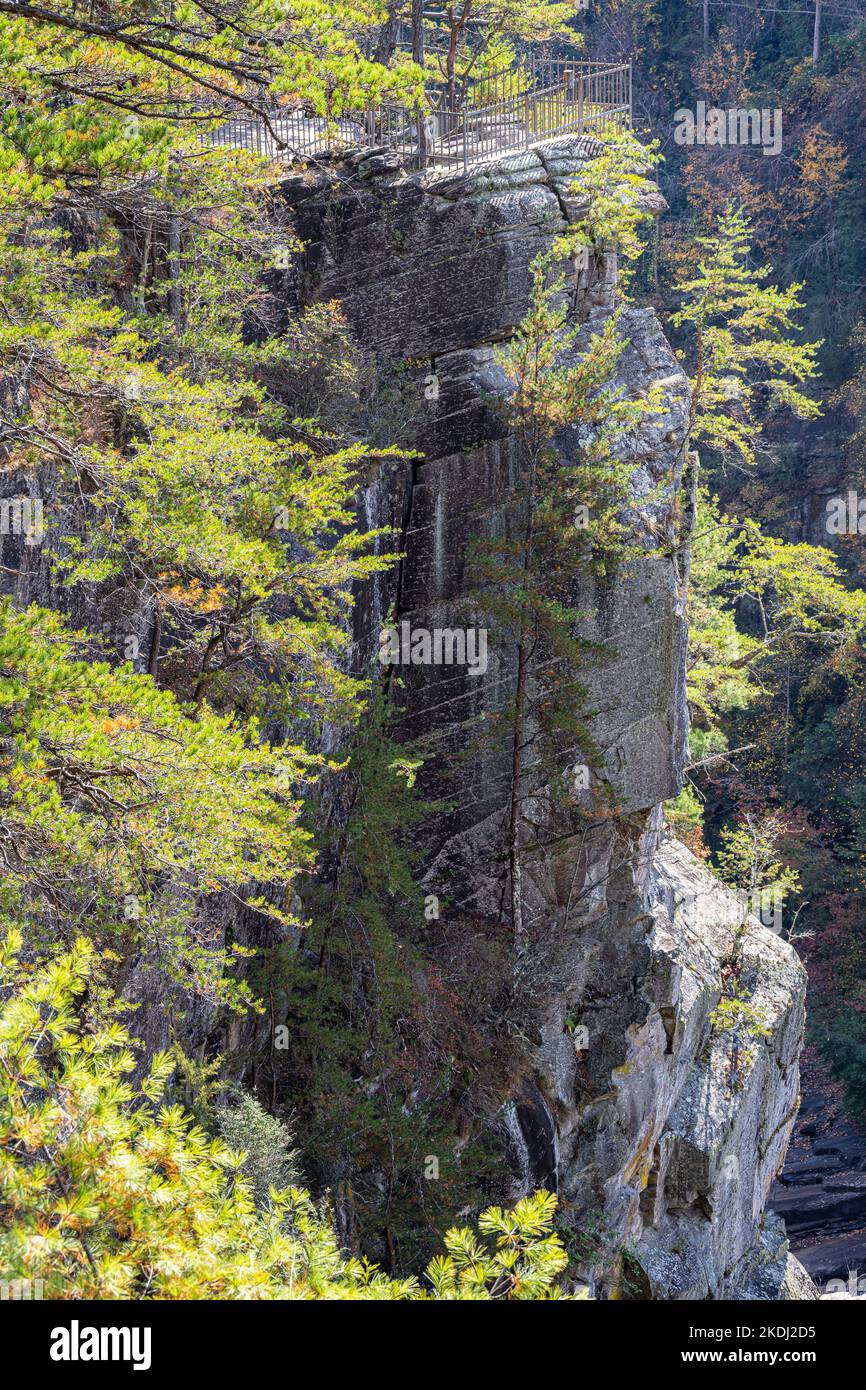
{"x": 633, "y": 1103}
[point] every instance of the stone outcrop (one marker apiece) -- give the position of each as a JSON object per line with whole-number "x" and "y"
{"x": 645, "y": 1113}
{"x": 728, "y": 1104}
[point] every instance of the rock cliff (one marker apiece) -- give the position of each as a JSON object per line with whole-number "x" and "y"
{"x": 632, "y": 1101}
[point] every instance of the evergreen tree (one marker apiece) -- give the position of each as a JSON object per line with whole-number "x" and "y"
{"x": 573, "y": 510}
{"x": 107, "y": 1192}
{"x": 745, "y": 364}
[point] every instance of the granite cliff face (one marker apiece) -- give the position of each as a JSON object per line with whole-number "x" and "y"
{"x": 657, "y": 1128}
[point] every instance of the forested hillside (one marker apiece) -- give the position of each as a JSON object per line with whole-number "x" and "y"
{"x": 431, "y": 642}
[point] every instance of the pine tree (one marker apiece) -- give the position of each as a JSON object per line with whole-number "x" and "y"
{"x": 745, "y": 363}
{"x": 572, "y": 510}
{"x": 107, "y": 1192}
{"x": 121, "y": 812}
{"x": 527, "y": 578}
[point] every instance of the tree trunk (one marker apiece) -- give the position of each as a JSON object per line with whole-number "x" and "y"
{"x": 175, "y": 295}
{"x": 155, "y": 638}
{"x": 706, "y": 24}
{"x": 386, "y": 43}
{"x": 418, "y": 32}
{"x": 816, "y": 35}
{"x": 514, "y": 861}
{"x": 451, "y": 59}
{"x": 418, "y": 57}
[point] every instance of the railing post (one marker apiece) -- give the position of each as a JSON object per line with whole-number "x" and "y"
{"x": 630, "y": 114}
{"x": 530, "y": 102}
{"x": 580, "y": 105}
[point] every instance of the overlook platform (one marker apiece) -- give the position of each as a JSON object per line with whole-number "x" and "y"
{"x": 467, "y": 125}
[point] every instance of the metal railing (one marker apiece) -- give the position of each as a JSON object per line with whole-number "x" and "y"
{"x": 464, "y": 124}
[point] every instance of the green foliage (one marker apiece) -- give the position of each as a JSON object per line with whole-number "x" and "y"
{"x": 197, "y": 59}
{"x": 757, "y": 604}
{"x": 749, "y": 859}
{"x": 382, "y": 1049}
{"x": 685, "y": 816}
{"x": 572, "y": 525}
{"x": 795, "y": 591}
{"x": 736, "y": 1012}
{"x": 718, "y": 672}
{"x": 738, "y": 1026}
{"x": 792, "y": 712}
{"x": 614, "y": 188}
{"x": 183, "y": 476}
{"x": 197, "y": 1084}
{"x": 524, "y": 1264}
{"x": 843, "y": 1046}
{"x": 166, "y": 426}
{"x": 745, "y": 364}
{"x": 269, "y": 1160}
{"x": 108, "y": 1192}
{"x": 120, "y": 811}
{"x": 203, "y": 462}
{"x": 479, "y": 35}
